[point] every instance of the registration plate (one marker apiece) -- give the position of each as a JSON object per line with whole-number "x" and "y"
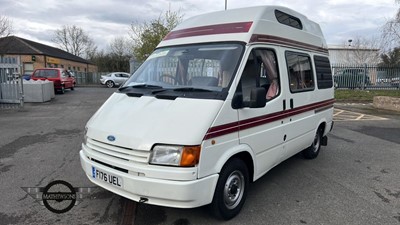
{"x": 106, "y": 177}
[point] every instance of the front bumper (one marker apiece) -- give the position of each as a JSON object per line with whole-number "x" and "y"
{"x": 162, "y": 192}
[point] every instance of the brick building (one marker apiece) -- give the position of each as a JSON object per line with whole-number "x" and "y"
{"x": 33, "y": 55}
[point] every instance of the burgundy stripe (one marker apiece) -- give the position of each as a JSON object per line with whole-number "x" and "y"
{"x": 226, "y": 28}
{"x": 285, "y": 41}
{"x": 264, "y": 119}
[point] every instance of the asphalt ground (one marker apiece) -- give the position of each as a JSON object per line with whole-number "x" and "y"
{"x": 354, "y": 180}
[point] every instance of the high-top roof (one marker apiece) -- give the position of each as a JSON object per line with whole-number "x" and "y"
{"x": 20, "y": 46}
{"x": 254, "y": 24}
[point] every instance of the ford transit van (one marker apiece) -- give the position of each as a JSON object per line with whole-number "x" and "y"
{"x": 224, "y": 98}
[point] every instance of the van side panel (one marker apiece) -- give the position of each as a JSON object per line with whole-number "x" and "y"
{"x": 218, "y": 141}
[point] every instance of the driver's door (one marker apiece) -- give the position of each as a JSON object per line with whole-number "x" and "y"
{"x": 262, "y": 128}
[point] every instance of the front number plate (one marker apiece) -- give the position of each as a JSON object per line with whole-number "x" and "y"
{"x": 107, "y": 177}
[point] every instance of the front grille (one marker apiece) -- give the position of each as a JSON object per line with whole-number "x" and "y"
{"x": 127, "y": 154}
{"x": 108, "y": 165}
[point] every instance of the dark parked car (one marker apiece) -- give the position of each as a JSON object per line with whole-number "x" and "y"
{"x": 352, "y": 78}
{"x": 61, "y": 78}
{"x": 26, "y": 76}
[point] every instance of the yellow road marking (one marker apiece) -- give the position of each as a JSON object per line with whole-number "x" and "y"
{"x": 343, "y": 115}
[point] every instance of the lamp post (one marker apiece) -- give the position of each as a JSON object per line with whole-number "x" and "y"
{"x": 226, "y": 4}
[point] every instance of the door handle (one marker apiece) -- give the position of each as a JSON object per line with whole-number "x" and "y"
{"x": 284, "y": 104}
{"x": 291, "y": 103}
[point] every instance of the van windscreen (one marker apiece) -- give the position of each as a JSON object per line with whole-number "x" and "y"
{"x": 207, "y": 67}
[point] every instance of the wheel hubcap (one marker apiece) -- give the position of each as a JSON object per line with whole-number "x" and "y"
{"x": 234, "y": 188}
{"x": 316, "y": 142}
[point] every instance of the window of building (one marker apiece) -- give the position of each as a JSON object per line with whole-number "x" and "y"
{"x": 28, "y": 68}
{"x": 324, "y": 73}
{"x": 300, "y": 72}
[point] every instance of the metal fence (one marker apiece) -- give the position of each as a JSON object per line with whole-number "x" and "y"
{"x": 11, "y": 89}
{"x": 366, "y": 77}
{"x": 88, "y": 78}
{"x": 82, "y": 78}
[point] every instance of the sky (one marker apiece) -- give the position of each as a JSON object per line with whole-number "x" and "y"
{"x": 105, "y": 20}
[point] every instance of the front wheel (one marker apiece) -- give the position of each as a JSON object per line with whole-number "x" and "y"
{"x": 313, "y": 151}
{"x": 231, "y": 191}
{"x": 62, "y": 90}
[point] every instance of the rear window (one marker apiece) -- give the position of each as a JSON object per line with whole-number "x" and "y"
{"x": 324, "y": 73}
{"x": 46, "y": 73}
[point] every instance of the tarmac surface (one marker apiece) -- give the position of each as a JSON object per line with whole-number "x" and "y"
{"x": 354, "y": 180}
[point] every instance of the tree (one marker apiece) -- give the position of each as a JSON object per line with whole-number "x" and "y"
{"x": 74, "y": 40}
{"x": 5, "y": 26}
{"x": 120, "y": 52}
{"x": 116, "y": 58}
{"x": 147, "y": 35}
{"x": 391, "y": 58}
{"x": 391, "y": 32}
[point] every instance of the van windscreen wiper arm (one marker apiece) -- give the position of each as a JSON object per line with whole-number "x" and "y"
{"x": 140, "y": 86}
{"x": 192, "y": 89}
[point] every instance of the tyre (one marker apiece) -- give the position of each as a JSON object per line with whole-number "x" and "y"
{"x": 231, "y": 191}
{"x": 62, "y": 90}
{"x": 72, "y": 87}
{"x": 313, "y": 151}
{"x": 110, "y": 84}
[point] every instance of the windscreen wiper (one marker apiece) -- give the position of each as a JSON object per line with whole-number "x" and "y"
{"x": 191, "y": 89}
{"x": 140, "y": 86}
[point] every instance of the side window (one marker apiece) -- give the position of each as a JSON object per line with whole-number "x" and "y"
{"x": 324, "y": 73}
{"x": 261, "y": 70}
{"x": 300, "y": 72}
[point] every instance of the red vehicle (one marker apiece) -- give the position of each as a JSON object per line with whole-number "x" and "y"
{"x": 61, "y": 78}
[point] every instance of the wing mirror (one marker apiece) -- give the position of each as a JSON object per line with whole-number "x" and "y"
{"x": 257, "y": 99}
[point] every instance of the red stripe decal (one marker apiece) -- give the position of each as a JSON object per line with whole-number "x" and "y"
{"x": 226, "y": 28}
{"x": 285, "y": 41}
{"x": 264, "y": 119}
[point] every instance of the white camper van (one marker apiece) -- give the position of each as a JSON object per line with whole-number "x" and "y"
{"x": 225, "y": 97}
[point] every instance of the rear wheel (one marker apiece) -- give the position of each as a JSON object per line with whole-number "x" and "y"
{"x": 110, "y": 84}
{"x": 313, "y": 151}
{"x": 230, "y": 193}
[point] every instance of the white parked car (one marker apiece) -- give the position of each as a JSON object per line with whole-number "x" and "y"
{"x": 114, "y": 79}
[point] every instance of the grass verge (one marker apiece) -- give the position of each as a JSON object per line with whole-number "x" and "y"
{"x": 363, "y": 96}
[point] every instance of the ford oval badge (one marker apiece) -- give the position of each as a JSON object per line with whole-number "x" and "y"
{"x": 111, "y": 138}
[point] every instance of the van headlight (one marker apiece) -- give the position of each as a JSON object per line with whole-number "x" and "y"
{"x": 171, "y": 155}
